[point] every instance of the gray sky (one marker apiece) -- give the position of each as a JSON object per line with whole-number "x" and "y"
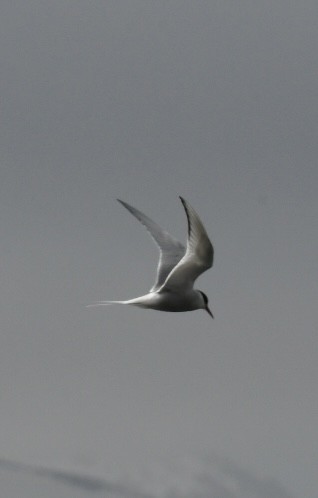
{"x": 146, "y": 100}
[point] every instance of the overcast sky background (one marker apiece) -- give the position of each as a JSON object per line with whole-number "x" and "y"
{"x": 145, "y": 100}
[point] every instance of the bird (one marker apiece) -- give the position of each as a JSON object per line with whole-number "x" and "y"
{"x": 178, "y": 266}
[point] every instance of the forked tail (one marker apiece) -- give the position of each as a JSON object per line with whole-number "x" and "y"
{"x": 141, "y": 302}
{"x": 105, "y": 303}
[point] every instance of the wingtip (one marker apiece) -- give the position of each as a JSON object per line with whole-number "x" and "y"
{"x": 123, "y": 203}
{"x": 185, "y": 205}
{"x": 184, "y": 202}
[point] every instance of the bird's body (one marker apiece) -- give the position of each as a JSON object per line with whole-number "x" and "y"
{"x": 165, "y": 301}
{"x": 178, "y": 266}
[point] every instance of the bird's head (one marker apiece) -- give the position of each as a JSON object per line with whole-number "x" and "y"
{"x": 205, "y": 303}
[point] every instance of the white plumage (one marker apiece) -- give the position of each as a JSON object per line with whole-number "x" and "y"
{"x": 178, "y": 267}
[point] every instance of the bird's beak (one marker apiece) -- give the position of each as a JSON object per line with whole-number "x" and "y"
{"x": 209, "y": 311}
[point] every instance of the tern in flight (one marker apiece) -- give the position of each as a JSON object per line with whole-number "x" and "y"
{"x": 178, "y": 266}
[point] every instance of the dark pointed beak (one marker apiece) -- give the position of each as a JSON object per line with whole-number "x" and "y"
{"x": 209, "y": 311}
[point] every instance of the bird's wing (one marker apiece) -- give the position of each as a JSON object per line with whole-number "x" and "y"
{"x": 171, "y": 250}
{"x": 198, "y": 257}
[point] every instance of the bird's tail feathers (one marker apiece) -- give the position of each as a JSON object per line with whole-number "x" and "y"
{"x": 105, "y": 303}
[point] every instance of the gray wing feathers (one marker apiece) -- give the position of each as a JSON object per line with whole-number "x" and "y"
{"x": 198, "y": 240}
{"x": 171, "y": 250}
{"x": 198, "y": 257}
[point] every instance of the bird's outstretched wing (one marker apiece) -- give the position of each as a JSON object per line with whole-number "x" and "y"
{"x": 171, "y": 250}
{"x": 198, "y": 257}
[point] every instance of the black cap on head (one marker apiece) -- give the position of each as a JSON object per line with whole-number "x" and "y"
{"x": 206, "y": 301}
